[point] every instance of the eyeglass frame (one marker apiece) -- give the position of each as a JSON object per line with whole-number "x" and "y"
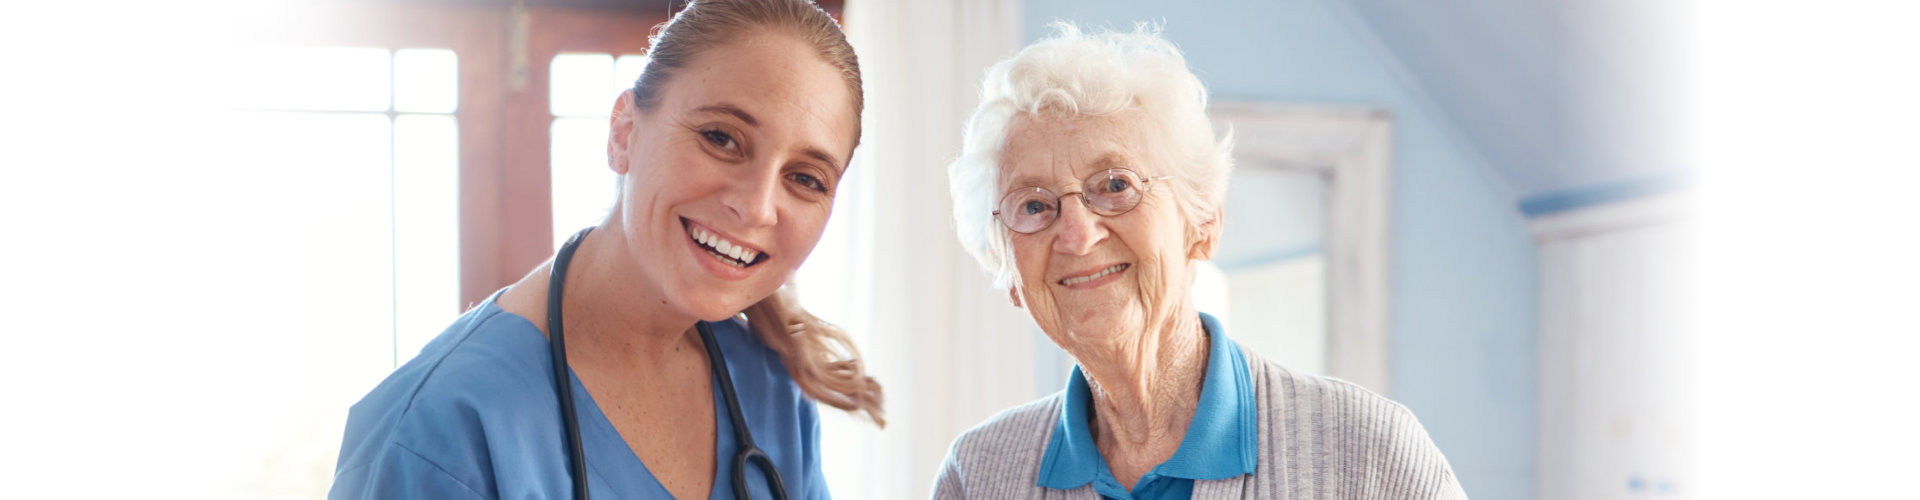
{"x": 1146, "y": 187}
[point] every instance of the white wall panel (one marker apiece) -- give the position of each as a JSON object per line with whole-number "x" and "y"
{"x": 1613, "y": 348}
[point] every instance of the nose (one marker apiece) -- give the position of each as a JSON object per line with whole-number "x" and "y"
{"x": 751, "y": 197}
{"x": 1079, "y": 229}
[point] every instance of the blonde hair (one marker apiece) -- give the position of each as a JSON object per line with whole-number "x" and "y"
{"x": 1075, "y": 74}
{"x": 820, "y": 356}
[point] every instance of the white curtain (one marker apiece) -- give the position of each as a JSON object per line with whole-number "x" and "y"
{"x": 949, "y": 349}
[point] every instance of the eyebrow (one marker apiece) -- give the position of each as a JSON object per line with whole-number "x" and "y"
{"x": 1106, "y": 161}
{"x": 729, "y": 109}
{"x": 823, "y": 156}
{"x": 1112, "y": 160}
{"x": 744, "y": 116}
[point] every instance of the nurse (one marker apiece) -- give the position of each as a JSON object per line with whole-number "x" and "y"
{"x": 729, "y": 149}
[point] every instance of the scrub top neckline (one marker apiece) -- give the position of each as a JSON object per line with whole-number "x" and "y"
{"x": 597, "y": 433}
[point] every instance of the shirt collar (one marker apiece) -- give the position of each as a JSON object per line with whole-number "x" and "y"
{"x": 1220, "y": 442}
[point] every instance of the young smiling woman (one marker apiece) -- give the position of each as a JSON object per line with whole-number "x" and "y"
{"x": 727, "y": 177}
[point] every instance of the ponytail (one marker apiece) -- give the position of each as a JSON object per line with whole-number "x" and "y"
{"x": 820, "y": 356}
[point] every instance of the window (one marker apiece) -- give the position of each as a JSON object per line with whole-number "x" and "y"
{"x": 345, "y": 162}
{"x": 583, "y": 89}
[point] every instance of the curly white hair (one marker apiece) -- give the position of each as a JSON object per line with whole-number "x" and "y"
{"x": 1073, "y": 73}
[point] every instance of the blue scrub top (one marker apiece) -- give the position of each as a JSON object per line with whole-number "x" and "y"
{"x": 474, "y": 415}
{"x": 1221, "y": 441}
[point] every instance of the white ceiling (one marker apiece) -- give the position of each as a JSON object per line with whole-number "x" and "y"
{"x": 1561, "y": 96}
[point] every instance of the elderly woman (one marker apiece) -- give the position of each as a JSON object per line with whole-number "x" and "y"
{"x": 1090, "y": 185}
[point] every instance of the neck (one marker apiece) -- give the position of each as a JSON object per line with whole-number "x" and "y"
{"x": 1145, "y": 389}
{"x": 615, "y": 314}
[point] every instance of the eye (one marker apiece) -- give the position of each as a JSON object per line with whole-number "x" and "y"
{"x": 808, "y": 181}
{"x": 720, "y": 139}
{"x": 1115, "y": 185}
{"x": 1032, "y": 207}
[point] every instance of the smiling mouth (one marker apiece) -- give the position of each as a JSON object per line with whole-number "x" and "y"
{"x": 720, "y": 248}
{"x": 1103, "y": 273}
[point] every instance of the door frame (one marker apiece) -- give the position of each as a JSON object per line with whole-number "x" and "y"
{"x": 1351, "y": 147}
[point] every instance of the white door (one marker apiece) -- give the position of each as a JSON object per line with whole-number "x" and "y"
{"x": 1613, "y": 342}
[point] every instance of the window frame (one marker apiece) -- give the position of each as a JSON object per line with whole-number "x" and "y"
{"x": 502, "y": 114}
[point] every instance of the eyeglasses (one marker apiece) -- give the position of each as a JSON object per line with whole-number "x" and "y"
{"x": 1109, "y": 192}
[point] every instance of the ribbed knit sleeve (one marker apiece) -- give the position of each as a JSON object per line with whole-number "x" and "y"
{"x": 1329, "y": 438}
{"x": 1001, "y": 457}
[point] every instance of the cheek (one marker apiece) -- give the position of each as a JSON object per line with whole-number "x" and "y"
{"x": 1159, "y": 243}
{"x": 679, "y": 167}
{"x": 643, "y": 181}
{"x": 1163, "y": 235}
{"x": 1037, "y": 294}
{"x": 801, "y": 227}
{"x": 1030, "y": 260}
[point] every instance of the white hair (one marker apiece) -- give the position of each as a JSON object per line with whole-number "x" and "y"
{"x": 1075, "y": 74}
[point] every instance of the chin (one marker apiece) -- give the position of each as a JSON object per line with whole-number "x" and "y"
{"x": 709, "y": 307}
{"x": 1106, "y": 323}
{"x": 722, "y": 306}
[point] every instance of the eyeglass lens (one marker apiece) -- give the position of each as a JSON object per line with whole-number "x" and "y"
{"x": 1110, "y": 192}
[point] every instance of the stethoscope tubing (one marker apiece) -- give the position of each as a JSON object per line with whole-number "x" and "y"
{"x": 562, "y": 376}
{"x": 742, "y": 436}
{"x": 748, "y": 453}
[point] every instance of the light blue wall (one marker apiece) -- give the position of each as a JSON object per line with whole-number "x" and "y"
{"x": 1463, "y": 261}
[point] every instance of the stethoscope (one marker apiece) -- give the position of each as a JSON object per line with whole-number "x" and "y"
{"x": 747, "y": 454}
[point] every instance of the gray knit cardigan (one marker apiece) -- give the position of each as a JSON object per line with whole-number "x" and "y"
{"x": 1320, "y": 438}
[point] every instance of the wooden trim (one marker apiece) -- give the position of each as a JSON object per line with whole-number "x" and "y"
{"x": 1616, "y": 216}
{"x": 522, "y": 190}
{"x": 486, "y": 101}
{"x": 505, "y": 180}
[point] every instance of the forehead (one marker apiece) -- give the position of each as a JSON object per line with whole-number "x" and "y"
{"x": 779, "y": 80}
{"x": 1047, "y": 149}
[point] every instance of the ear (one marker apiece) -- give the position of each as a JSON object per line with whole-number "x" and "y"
{"x": 1205, "y": 239}
{"x": 619, "y": 130}
{"x": 1013, "y": 293}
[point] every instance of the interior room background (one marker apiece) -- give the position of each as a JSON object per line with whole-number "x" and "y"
{"x": 1538, "y": 225}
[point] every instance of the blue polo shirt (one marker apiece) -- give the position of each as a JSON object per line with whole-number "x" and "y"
{"x": 1220, "y": 443}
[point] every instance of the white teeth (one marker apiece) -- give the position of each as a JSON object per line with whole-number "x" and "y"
{"x": 721, "y": 247}
{"x": 1103, "y": 272}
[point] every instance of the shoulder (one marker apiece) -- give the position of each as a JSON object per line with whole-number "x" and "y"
{"x": 1308, "y": 392}
{"x": 485, "y": 374}
{"x": 488, "y": 359}
{"x": 1008, "y": 445}
{"x": 1329, "y": 401}
{"x": 1013, "y": 429}
{"x": 1330, "y": 424}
